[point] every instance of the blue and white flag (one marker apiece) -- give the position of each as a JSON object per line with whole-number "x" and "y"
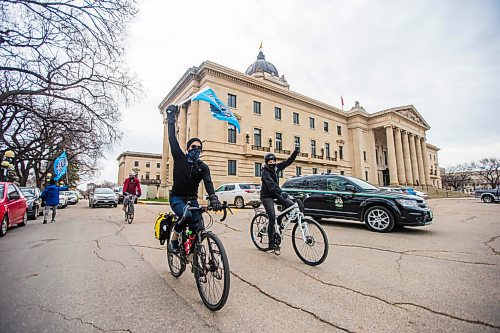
{"x": 218, "y": 109}
{"x": 60, "y": 166}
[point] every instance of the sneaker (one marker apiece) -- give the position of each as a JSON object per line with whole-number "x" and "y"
{"x": 52, "y": 221}
{"x": 173, "y": 246}
{"x": 44, "y": 221}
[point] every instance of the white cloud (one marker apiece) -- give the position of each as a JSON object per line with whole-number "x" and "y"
{"x": 441, "y": 56}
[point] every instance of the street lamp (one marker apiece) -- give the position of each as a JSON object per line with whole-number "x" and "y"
{"x": 247, "y": 136}
{"x": 270, "y": 142}
{"x": 8, "y": 157}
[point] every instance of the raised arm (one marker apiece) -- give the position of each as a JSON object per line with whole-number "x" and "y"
{"x": 284, "y": 164}
{"x": 172, "y": 139}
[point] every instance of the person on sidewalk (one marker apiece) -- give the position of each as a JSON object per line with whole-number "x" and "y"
{"x": 50, "y": 196}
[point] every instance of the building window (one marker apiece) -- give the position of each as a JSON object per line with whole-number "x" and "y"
{"x": 296, "y": 118}
{"x": 136, "y": 163}
{"x": 376, "y": 155}
{"x": 258, "y": 169}
{"x": 328, "y": 171}
{"x": 231, "y": 134}
{"x": 298, "y": 171}
{"x": 296, "y": 141}
{"x": 231, "y": 101}
{"x": 364, "y": 156}
{"x": 277, "y": 113}
{"x": 313, "y": 147}
{"x": 256, "y": 107}
{"x": 341, "y": 152}
{"x": 280, "y": 174}
{"x": 158, "y": 165}
{"x": 342, "y": 172}
{"x": 325, "y": 126}
{"x": 327, "y": 150}
{"x": 311, "y": 122}
{"x": 257, "y": 136}
{"x": 315, "y": 171}
{"x": 147, "y": 175}
{"x": 231, "y": 168}
{"x": 157, "y": 176}
{"x": 385, "y": 158}
{"x": 148, "y": 164}
{"x": 366, "y": 175}
{"x": 278, "y": 142}
{"x": 339, "y": 130}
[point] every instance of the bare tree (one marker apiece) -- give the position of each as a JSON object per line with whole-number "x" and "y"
{"x": 458, "y": 176}
{"x": 62, "y": 79}
{"x": 489, "y": 168}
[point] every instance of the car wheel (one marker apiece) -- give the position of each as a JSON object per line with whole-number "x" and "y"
{"x": 5, "y": 225}
{"x": 115, "y": 205}
{"x": 379, "y": 219}
{"x": 35, "y": 214}
{"x": 257, "y": 205}
{"x": 488, "y": 199}
{"x": 239, "y": 202}
{"x": 25, "y": 219}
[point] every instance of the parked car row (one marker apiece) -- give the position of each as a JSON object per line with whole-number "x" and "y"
{"x": 13, "y": 207}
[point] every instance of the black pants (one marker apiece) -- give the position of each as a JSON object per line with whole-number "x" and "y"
{"x": 269, "y": 206}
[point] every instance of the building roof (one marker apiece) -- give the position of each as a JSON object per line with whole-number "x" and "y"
{"x": 138, "y": 154}
{"x": 262, "y": 65}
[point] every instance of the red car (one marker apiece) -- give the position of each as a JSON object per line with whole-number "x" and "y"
{"x": 13, "y": 207}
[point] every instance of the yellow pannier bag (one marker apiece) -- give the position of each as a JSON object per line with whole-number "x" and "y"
{"x": 162, "y": 226}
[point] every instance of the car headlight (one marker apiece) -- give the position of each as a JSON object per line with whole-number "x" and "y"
{"x": 407, "y": 203}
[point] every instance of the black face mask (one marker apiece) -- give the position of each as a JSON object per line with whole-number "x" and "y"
{"x": 193, "y": 155}
{"x": 271, "y": 166}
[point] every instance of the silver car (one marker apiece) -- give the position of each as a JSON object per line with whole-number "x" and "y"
{"x": 103, "y": 197}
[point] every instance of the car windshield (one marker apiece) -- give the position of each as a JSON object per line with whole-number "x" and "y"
{"x": 103, "y": 191}
{"x": 250, "y": 187}
{"x": 28, "y": 192}
{"x": 361, "y": 183}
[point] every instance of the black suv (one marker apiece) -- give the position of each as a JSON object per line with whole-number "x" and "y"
{"x": 344, "y": 197}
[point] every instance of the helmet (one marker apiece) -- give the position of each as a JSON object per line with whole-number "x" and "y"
{"x": 269, "y": 157}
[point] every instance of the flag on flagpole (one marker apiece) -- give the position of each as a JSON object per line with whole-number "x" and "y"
{"x": 342, "y": 101}
{"x": 60, "y": 166}
{"x": 218, "y": 109}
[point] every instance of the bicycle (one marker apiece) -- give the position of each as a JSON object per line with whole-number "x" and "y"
{"x": 129, "y": 209}
{"x": 310, "y": 244}
{"x": 208, "y": 258}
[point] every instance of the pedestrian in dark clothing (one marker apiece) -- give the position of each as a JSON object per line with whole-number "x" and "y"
{"x": 271, "y": 190}
{"x": 50, "y": 196}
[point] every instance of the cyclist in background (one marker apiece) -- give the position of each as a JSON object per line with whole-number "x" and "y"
{"x": 189, "y": 171}
{"x": 132, "y": 185}
{"x": 271, "y": 190}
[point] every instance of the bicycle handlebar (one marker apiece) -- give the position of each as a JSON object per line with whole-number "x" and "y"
{"x": 202, "y": 209}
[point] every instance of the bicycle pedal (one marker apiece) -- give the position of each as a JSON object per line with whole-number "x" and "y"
{"x": 277, "y": 251}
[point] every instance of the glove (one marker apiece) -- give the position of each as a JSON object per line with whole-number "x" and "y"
{"x": 172, "y": 111}
{"x": 284, "y": 195}
{"x": 215, "y": 203}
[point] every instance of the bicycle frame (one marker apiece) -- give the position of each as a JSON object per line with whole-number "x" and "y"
{"x": 294, "y": 214}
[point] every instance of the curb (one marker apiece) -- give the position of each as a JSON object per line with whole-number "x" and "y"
{"x": 153, "y": 203}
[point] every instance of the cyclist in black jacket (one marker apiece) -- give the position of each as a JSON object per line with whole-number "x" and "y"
{"x": 271, "y": 190}
{"x": 189, "y": 171}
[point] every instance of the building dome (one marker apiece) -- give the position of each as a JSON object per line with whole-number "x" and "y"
{"x": 261, "y": 65}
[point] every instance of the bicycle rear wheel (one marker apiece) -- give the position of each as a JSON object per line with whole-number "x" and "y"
{"x": 314, "y": 249}
{"x": 130, "y": 213}
{"x": 211, "y": 271}
{"x": 176, "y": 264}
{"x": 258, "y": 231}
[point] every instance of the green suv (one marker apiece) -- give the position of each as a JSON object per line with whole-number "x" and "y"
{"x": 344, "y": 197}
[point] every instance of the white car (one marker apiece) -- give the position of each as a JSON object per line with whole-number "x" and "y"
{"x": 63, "y": 200}
{"x": 239, "y": 194}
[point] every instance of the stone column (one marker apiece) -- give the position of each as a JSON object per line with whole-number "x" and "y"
{"x": 413, "y": 156}
{"x": 427, "y": 162}
{"x": 420, "y": 161}
{"x": 407, "y": 159}
{"x": 372, "y": 158}
{"x": 164, "y": 161}
{"x": 399, "y": 157}
{"x": 194, "y": 110}
{"x": 357, "y": 151}
{"x": 391, "y": 156}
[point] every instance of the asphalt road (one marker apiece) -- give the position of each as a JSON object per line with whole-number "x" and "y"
{"x": 91, "y": 272}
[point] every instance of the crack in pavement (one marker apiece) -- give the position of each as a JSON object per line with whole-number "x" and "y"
{"x": 43, "y": 242}
{"x": 80, "y": 320}
{"x": 487, "y": 243}
{"x": 227, "y": 226}
{"x": 290, "y": 305}
{"x": 102, "y": 258}
{"x": 399, "y": 267}
{"x": 136, "y": 245}
{"x": 412, "y": 253}
{"x": 397, "y": 304}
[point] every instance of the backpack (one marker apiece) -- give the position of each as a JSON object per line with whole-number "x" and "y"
{"x": 162, "y": 226}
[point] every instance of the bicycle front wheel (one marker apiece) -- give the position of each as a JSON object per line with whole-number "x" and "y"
{"x": 258, "y": 231}
{"x": 313, "y": 248}
{"x": 211, "y": 271}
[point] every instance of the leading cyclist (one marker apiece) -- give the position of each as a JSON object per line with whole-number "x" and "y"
{"x": 270, "y": 190}
{"x": 132, "y": 185}
{"x": 189, "y": 171}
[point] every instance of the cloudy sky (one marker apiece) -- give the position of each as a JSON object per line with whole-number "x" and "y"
{"x": 441, "y": 56}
